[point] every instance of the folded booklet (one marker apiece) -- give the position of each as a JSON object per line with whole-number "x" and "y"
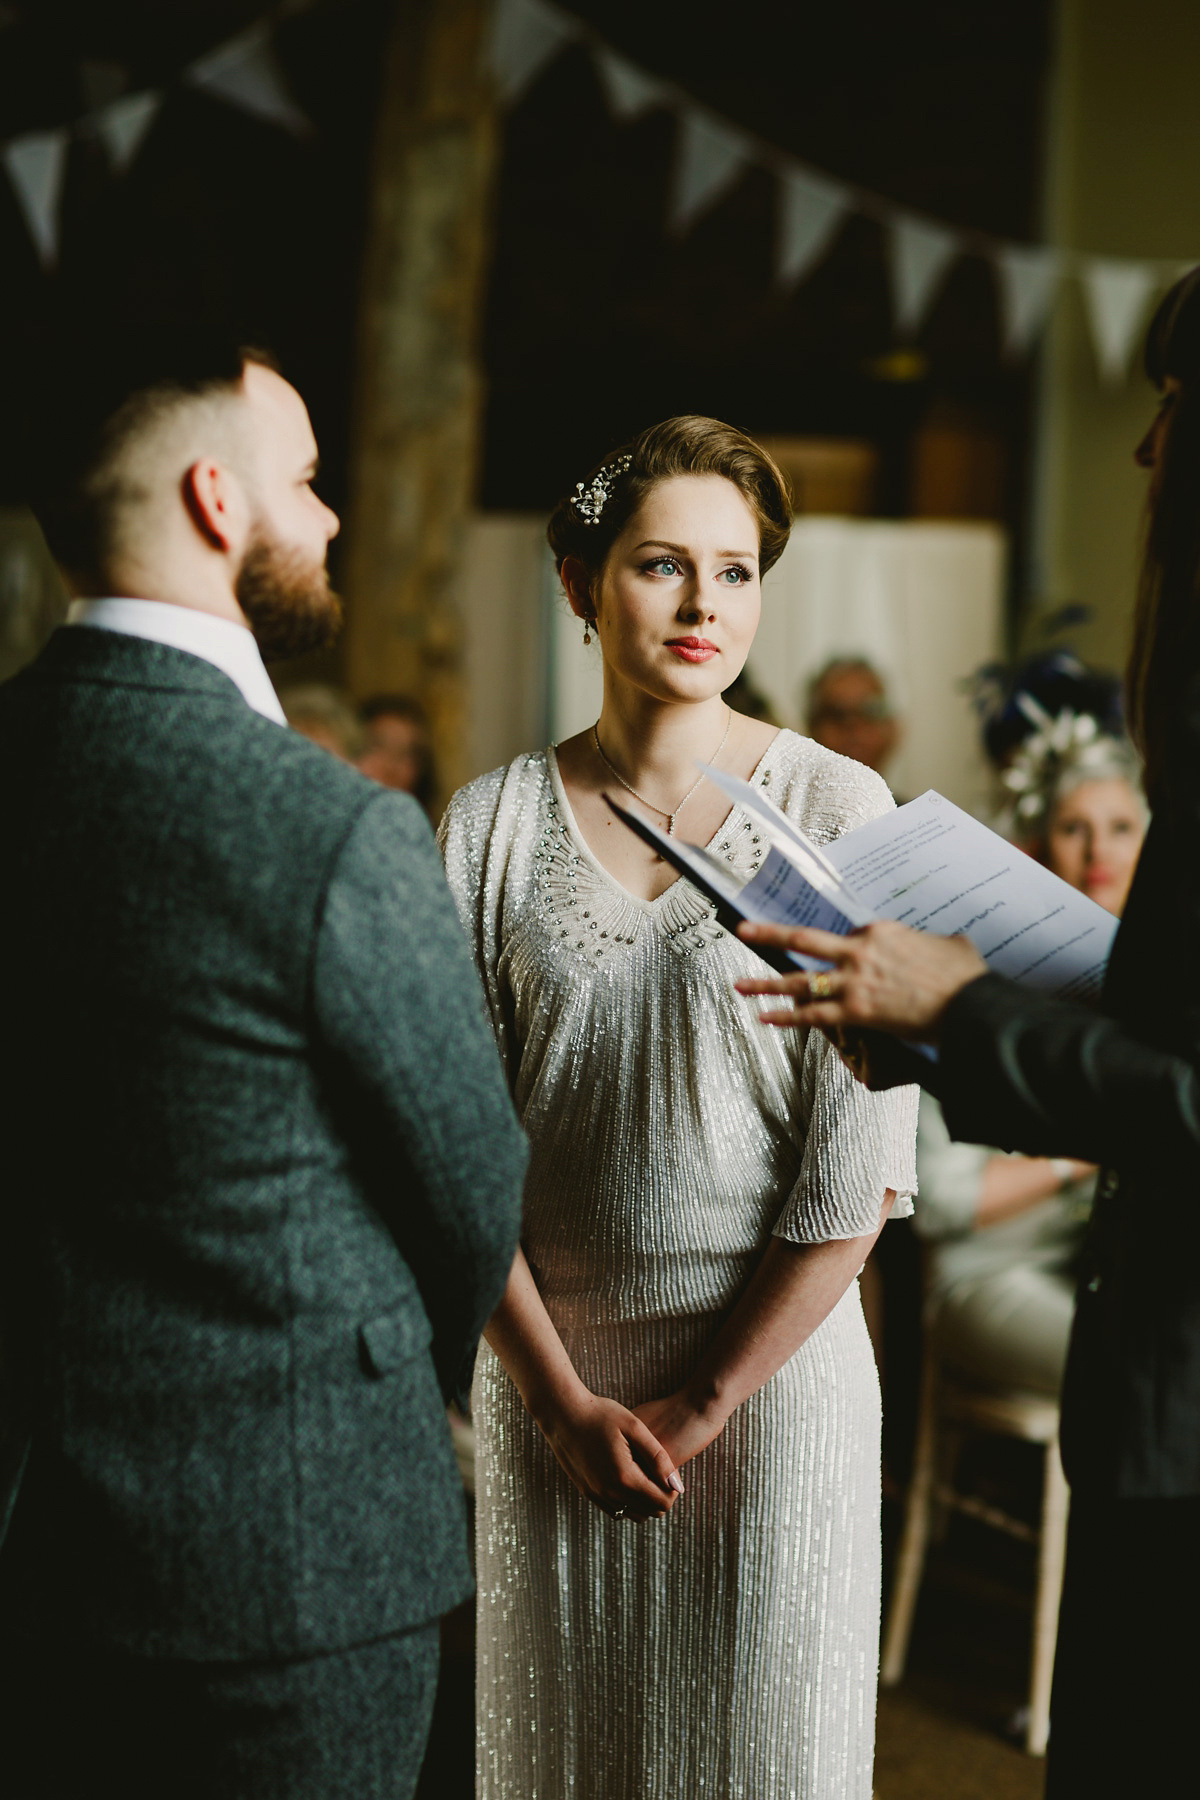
{"x": 927, "y": 864}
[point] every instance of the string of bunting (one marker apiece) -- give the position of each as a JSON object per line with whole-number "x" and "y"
{"x": 711, "y": 154}
{"x": 243, "y": 72}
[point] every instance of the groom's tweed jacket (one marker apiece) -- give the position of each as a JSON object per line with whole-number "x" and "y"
{"x": 262, "y": 1172}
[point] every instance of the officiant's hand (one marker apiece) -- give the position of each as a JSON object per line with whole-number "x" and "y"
{"x": 682, "y": 1427}
{"x": 614, "y": 1459}
{"x": 885, "y": 977}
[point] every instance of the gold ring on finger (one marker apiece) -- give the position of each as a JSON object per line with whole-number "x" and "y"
{"x": 820, "y": 987}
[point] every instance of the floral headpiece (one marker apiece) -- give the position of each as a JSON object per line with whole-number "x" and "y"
{"x": 1072, "y": 742}
{"x": 590, "y": 502}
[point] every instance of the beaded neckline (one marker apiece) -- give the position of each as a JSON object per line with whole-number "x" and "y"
{"x": 589, "y": 910}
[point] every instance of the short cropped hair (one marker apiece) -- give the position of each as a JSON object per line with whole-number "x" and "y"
{"x": 101, "y": 399}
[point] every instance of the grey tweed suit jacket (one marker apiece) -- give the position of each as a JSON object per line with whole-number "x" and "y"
{"x": 262, "y": 1172}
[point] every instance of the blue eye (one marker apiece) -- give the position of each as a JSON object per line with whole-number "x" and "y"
{"x": 662, "y": 565}
{"x": 739, "y": 572}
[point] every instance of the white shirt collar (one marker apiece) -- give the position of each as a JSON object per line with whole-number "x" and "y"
{"x": 228, "y": 646}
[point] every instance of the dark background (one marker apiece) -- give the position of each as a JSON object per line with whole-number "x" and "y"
{"x": 596, "y": 322}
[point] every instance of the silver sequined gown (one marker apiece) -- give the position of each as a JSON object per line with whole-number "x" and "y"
{"x": 729, "y": 1651}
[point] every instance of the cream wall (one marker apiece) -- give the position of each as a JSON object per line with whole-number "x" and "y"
{"x": 1123, "y": 177}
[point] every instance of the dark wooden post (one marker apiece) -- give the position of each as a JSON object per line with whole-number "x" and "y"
{"x": 413, "y": 466}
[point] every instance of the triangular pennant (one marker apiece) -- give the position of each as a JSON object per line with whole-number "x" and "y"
{"x": 921, "y": 252}
{"x": 630, "y": 90}
{"x": 709, "y": 156}
{"x": 37, "y": 166}
{"x": 124, "y": 124}
{"x": 244, "y": 73}
{"x": 1028, "y": 277}
{"x": 1116, "y": 292}
{"x": 525, "y": 35}
{"x": 810, "y": 209}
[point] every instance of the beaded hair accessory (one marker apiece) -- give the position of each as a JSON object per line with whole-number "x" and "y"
{"x": 590, "y": 502}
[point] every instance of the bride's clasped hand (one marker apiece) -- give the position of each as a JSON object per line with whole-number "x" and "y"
{"x": 612, "y": 1456}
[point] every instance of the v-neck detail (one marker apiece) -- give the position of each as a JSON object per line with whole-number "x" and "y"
{"x": 576, "y": 836}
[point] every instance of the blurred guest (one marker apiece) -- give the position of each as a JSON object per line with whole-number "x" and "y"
{"x": 1077, "y": 803}
{"x": 396, "y": 745}
{"x": 320, "y": 714}
{"x": 1007, "y": 1230}
{"x": 848, "y": 710}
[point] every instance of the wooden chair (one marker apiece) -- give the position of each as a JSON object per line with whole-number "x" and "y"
{"x": 950, "y": 1407}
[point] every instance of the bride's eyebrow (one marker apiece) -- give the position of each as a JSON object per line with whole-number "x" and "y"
{"x": 679, "y": 550}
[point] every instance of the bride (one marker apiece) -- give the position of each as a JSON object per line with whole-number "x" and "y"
{"x": 676, "y": 1405}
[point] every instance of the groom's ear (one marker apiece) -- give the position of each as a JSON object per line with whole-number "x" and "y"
{"x": 216, "y": 504}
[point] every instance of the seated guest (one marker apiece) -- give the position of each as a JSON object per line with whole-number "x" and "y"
{"x": 320, "y": 714}
{"x": 848, "y": 710}
{"x": 396, "y": 746}
{"x": 1006, "y": 1230}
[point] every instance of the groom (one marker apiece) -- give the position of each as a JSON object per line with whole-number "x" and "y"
{"x": 262, "y": 1173}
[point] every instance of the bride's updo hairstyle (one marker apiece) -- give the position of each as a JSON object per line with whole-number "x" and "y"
{"x": 588, "y": 523}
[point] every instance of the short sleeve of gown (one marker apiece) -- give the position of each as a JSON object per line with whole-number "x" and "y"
{"x": 857, "y": 1144}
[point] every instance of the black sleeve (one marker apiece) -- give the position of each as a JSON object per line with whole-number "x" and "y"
{"x": 1031, "y": 1074}
{"x": 399, "y": 1009}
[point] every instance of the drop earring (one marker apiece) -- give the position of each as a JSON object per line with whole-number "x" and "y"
{"x": 587, "y": 632}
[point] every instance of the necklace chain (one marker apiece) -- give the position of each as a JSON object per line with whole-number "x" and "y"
{"x": 663, "y": 811}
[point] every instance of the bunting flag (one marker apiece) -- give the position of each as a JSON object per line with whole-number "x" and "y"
{"x": 1028, "y": 277}
{"x": 243, "y": 72}
{"x": 123, "y": 126}
{"x": 810, "y": 211}
{"x": 920, "y": 254}
{"x": 1116, "y": 292}
{"x": 630, "y": 91}
{"x": 37, "y": 167}
{"x": 525, "y": 35}
{"x": 709, "y": 156}
{"x": 711, "y": 153}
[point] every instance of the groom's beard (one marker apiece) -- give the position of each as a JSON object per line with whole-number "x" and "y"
{"x": 286, "y": 598}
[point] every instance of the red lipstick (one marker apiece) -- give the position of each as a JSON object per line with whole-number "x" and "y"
{"x": 692, "y": 649}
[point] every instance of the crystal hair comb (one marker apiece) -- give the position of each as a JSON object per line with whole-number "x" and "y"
{"x": 590, "y": 502}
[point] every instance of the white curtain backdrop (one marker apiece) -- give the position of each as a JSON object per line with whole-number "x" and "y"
{"x": 921, "y": 601}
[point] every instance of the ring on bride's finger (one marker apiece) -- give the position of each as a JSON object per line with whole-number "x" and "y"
{"x": 619, "y": 1512}
{"x": 820, "y": 987}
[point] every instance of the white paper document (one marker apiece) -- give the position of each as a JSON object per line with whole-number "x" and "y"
{"x": 930, "y": 865}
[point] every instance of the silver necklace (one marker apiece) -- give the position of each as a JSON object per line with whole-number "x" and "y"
{"x": 670, "y": 817}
